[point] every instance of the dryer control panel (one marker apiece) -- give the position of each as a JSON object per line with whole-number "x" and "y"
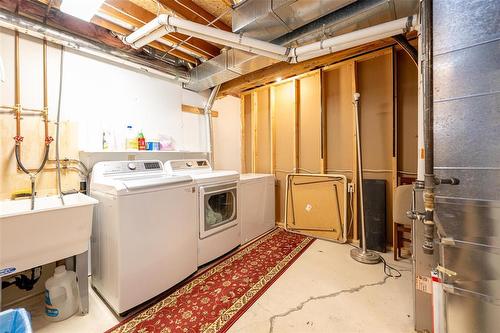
{"x": 187, "y": 165}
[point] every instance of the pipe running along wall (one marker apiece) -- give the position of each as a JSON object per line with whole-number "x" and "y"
{"x": 208, "y": 114}
{"x": 164, "y": 24}
{"x": 39, "y": 30}
{"x": 18, "y": 139}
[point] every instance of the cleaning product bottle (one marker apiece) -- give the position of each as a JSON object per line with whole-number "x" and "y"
{"x": 61, "y": 295}
{"x": 141, "y": 141}
{"x": 130, "y": 139}
{"x": 105, "y": 140}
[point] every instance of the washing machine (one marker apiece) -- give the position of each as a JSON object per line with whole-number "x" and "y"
{"x": 217, "y": 211}
{"x": 257, "y": 205}
{"x": 144, "y": 233}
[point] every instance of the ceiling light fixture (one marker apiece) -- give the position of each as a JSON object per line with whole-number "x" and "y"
{"x": 278, "y": 79}
{"x": 83, "y": 9}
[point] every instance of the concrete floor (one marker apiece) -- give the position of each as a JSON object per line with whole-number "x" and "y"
{"x": 323, "y": 291}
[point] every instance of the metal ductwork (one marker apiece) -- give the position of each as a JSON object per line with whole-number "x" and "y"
{"x": 287, "y": 22}
{"x": 267, "y": 20}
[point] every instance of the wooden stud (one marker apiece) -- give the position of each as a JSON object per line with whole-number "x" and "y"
{"x": 272, "y": 94}
{"x": 323, "y": 158}
{"x": 253, "y": 121}
{"x": 296, "y": 132}
{"x": 243, "y": 149}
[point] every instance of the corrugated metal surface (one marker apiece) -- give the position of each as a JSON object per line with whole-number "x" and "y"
{"x": 466, "y": 128}
{"x": 267, "y": 20}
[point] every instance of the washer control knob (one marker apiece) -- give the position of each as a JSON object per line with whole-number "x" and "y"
{"x": 131, "y": 166}
{"x": 189, "y": 164}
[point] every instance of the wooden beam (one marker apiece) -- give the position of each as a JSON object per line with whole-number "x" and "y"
{"x": 137, "y": 16}
{"x": 191, "y": 11}
{"x": 157, "y": 45}
{"x": 59, "y": 20}
{"x": 197, "y": 110}
{"x": 285, "y": 70}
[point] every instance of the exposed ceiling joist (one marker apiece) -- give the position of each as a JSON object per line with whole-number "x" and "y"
{"x": 191, "y": 11}
{"x": 170, "y": 41}
{"x": 156, "y": 45}
{"x": 57, "y": 19}
{"x": 138, "y": 16}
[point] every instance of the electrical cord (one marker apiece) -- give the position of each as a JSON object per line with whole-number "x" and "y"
{"x": 389, "y": 270}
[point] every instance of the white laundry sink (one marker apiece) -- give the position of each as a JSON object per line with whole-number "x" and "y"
{"x": 52, "y": 231}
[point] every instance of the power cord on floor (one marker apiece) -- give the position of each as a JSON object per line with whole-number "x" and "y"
{"x": 389, "y": 270}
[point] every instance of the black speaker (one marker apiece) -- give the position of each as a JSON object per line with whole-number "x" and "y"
{"x": 375, "y": 217}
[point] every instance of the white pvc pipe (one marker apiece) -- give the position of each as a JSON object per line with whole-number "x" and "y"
{"x": 377, "y": 32}
{"x": 250, "y": 49}
{"x": 343, "y": 46}
{"x": 147, "y": 29}
{"x": 154, "y": 35}
{"x": 209, "y": 32}
{"x": 164, "y": 24}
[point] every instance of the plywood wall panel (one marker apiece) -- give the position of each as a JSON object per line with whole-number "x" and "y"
{"x": 247, "y": 132}
{"x": 309, "y": 129}
{"x": 375, "y": 84}
{"x": 284, "y": 125}
{"x": 407, "y": 113}
{"x": 263, "y": 139}
{"x": 376, "y": 104}
{"x": 339, "y": 119}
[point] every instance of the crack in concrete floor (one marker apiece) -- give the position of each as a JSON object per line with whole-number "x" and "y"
{"x": 315, "y": 298}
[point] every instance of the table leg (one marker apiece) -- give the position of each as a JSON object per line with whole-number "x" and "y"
{"x": 82, "y": 272}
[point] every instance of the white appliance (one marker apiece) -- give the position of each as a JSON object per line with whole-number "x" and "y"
{"x": 144, "y": 231}
{"x": 257, "y": 208}
{"x": 218, "y": 219}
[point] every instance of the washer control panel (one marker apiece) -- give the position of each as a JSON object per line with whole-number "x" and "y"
{"x": 119, "y": 167}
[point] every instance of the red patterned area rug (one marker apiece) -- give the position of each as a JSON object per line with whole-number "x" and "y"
{"x": 214, "y": 300}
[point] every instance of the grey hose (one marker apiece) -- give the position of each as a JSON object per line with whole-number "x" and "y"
{"x": 58, "y": 162}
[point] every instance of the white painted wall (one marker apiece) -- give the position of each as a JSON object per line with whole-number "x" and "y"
{"x": 101, "y": 95}
{"x": 227, "y": 134}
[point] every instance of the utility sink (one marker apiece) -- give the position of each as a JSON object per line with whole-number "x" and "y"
{"x": 50, "y": 232}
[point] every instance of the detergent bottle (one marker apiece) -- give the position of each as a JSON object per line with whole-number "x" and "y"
{"x": 61, "y": 295}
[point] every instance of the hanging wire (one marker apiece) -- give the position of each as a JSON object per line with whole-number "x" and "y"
{"x": 58, "y": 161}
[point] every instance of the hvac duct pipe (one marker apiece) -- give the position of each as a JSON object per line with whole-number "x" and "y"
{"x": 208, "y": 113}
{"x": 39, "y": 30}
{"x": 164, "y": 24}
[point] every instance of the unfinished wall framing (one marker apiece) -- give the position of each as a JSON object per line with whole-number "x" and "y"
{"x": 305, "y": 124}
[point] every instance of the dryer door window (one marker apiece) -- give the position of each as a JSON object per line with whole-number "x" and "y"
{"x": 219, "y": 207}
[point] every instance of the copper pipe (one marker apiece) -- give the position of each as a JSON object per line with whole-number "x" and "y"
{"x": 45, "y": 94}
{"x": 17, "y": 92}
{"x": 33, "y": 110}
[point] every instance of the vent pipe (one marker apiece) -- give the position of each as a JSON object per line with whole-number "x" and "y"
{"x": 164, "y": 24}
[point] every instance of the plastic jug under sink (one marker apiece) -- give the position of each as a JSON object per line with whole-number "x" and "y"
{"x": 61, "y": 295}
